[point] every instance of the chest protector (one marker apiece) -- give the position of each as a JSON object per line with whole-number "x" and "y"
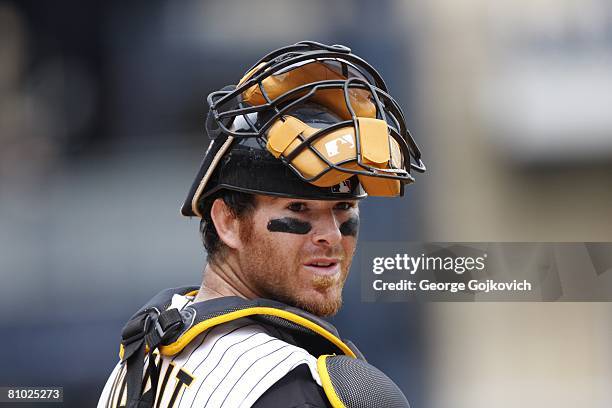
{"x": 347, "y": 379}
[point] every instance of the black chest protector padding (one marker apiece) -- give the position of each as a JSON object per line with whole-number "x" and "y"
{"x": 348, "y": 380}
{"x": 353, "y": 383}
{"x": 315, "y": 335}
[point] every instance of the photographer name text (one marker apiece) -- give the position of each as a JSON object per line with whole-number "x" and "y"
{"x": 404, "y": 263}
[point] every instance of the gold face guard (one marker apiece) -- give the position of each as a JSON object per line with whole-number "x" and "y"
{"x": 339, "y": 148}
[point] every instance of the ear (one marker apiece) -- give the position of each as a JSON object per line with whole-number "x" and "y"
{"x": 226, "y": 224}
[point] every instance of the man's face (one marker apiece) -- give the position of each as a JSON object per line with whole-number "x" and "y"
{"x": 299, "y": 251}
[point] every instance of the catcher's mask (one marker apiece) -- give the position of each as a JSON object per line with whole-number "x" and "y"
{"x": 307, "y": 121}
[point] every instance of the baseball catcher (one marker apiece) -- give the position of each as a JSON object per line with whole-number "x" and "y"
{"x": 307, "y": 132}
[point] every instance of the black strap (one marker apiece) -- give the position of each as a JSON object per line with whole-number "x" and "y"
{"x": 148, "y": 398}
{"x": 134, "y": 376}
{"x": 146, "y": 330}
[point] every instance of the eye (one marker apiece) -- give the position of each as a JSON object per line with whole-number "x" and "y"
{"x": 344, "y": 206}
{"x": 297, "y": 207}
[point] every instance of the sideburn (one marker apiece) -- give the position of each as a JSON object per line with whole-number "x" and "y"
{"x": 246, "y": 228}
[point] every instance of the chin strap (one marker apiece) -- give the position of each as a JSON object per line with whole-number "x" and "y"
{"x": 142, "y": 335}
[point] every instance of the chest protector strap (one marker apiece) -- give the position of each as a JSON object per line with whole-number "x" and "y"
{"x": 169, "y": 331}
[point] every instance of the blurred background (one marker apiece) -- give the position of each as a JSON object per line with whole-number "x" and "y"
{"x": 102, "y": 110}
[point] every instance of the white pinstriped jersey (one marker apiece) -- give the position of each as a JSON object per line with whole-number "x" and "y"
{"x": 229, "y": 365}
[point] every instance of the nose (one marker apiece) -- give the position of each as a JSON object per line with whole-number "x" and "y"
{"x": 326, "y": 230}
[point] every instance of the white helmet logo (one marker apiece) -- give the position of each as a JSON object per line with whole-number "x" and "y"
{"x": 332, "y": 145}
{"x": 343, "y": 187}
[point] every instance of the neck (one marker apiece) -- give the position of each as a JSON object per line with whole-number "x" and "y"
{"x": 223, "y": 279}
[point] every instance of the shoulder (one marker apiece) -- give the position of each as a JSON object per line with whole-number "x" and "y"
{"x": 233, "y": 351}
{"x": 238, "y": 362}
{"x": 297, "y": 389}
